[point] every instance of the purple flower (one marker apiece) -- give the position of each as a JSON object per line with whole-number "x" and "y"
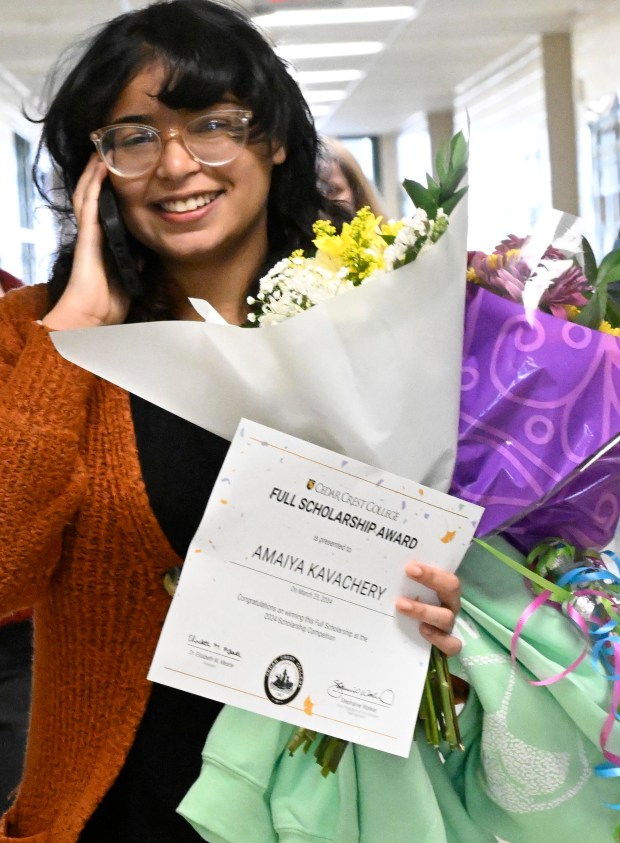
{"x": 504, "y": 272}
{"x": 566, "y": 291}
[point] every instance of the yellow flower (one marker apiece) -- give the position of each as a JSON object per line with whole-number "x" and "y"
{"x": 330, "y": 244}
{"x": 358, "y": 248}
{"x": 324, "y": 227}
{"x": 364, "y": 225}
{"x": 605, "y": 328}
{"x": 391, "y": 228}
{"x": 572, "y": 312}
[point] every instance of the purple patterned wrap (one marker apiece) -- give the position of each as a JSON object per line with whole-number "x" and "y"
{"x": 538, "y": 399}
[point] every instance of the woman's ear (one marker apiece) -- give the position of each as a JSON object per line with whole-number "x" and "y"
{"x": 278, "y": 156}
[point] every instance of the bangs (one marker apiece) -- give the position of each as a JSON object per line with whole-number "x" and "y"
{"x": 199, "y": 81}
{"x": 234, "y": 60}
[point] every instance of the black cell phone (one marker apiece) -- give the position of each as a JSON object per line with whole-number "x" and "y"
{"x": 118, "y": 250}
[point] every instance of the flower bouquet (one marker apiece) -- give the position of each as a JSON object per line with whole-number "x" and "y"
{"x": 538, "y": 440}
{"x": 539, "y": 408}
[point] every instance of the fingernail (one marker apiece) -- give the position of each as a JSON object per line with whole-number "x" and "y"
{"x": 414, "y": 570}
{"x": 403, "y": 604}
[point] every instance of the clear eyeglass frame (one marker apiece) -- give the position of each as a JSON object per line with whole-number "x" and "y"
{"x": 232, "y": 139}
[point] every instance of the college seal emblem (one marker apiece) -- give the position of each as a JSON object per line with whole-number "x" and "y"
{"x": 283, "y": 679}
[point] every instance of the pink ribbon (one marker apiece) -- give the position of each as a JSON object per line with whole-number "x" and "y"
{"x": 606, "y": 649}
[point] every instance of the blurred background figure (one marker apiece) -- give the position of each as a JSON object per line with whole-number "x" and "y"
{"x": 15, "y": 672}
{"x": 342, "y": 179}
{"x": 8, "y": 282}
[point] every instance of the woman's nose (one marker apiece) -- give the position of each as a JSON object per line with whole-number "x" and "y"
{"x": 175, "y": 160}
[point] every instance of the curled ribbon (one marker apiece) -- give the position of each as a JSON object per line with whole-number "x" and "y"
{"x": 602, "y": 633}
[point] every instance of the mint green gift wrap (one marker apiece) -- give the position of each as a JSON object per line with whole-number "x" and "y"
{"x": 526, "y": 773}
{"x": 528, "y": 770}
{"x": 251, "y": 790}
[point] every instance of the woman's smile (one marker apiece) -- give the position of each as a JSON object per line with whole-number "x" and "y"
{"x": 186, "y": 205}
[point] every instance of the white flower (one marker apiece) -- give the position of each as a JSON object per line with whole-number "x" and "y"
{"x": 294, "y": 285}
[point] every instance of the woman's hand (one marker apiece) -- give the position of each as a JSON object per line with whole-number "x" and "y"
{"x": 89, "y": 298}
{"x": 436, "y": 622}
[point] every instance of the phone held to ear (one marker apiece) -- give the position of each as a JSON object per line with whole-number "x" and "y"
{"x": 118, "y": 250}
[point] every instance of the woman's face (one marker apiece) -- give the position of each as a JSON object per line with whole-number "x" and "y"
{"x": 160, "y": 208}
{"x": 337, "y": 187}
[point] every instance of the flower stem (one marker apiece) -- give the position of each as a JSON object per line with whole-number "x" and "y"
{"x": 437, "y": 710}
{"x": 448, "y": 719}
{"x": 428, "y": 712}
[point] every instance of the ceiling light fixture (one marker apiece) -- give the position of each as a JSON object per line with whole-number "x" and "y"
{"x": 320, "y": 110}
{"x": 323, "y": 96}
{"x": 331, "y": 17}
{"x": 291, "y": 52}
{"x": 319, "y": 77}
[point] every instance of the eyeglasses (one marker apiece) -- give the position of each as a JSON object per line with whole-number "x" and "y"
{"x": 130, "y": 149}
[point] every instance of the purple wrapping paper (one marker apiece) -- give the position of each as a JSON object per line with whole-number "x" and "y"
{"x": 538, "y": 399}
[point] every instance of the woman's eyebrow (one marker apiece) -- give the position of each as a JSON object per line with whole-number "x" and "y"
{"x": 133, "y": 118}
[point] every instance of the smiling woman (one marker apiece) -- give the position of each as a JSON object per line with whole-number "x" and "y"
{"x": 183, "y": 114}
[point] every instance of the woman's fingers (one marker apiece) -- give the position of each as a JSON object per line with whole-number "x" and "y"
{"x": 89, "y": 298}
{"x": 436, "y": 622}
{"x": 86, "y": 195}
{"x": 447, "y": 586}
{"x": 436, "y": 616}
{"x": 444, "y": 641}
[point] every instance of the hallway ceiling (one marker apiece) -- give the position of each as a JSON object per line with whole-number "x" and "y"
{"x": 421, "y": 61}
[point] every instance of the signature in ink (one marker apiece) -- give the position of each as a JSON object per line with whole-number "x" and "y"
{"x": 340, "y": 690}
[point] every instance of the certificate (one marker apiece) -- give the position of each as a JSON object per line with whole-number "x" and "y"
{"x": 285, "y": 605}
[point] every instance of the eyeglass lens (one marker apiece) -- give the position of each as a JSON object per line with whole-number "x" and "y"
{"x": 213, "y": 139}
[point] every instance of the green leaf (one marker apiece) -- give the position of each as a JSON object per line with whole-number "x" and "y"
{"x": 450, "y": 204}
{"x": 452, "y": 182}
{"x": 441, "y": 166}
{"x": 442, "y": 192}
{"x": 590, "y": 267}
{"x": 433, "y": 185}
{"x": 609, "y": 266}
{"x": 459, "y": 149}
{"x": 593, "y": 313}
{"x": 420, "y": 196}
{"x": 612, "y": 313}
{"x": 613, "y": 277}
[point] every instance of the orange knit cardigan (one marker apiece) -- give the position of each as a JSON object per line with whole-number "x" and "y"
{"x": 79, "y": 542}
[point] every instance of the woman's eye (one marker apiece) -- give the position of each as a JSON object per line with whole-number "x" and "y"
{"x": 134, "y": 139}
{"x": 211, "y": 126}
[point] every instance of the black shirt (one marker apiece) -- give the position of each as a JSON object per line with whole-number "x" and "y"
{"x": 180, "y": 463}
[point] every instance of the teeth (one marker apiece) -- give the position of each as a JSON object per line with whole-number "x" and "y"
{"x": 179, "y": 206}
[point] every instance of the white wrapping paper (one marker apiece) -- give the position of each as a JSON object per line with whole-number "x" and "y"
{"x": 373, "y": 373}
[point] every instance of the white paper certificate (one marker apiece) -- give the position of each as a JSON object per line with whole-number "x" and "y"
{"x": 285, "y": 606}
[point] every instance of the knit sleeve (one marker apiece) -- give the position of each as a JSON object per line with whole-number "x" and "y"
{"x": 43, "y": 401}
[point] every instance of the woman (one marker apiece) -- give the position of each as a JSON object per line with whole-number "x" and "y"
{"x": 211, "y": 152}
{"x": 343, "y": 180}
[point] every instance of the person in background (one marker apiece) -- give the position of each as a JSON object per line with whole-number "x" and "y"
{"x": 8, "y": 282}
{"x": 15, "y": 670}
{"x": 342, "y": 179}
{"x": 185, "y": 110}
